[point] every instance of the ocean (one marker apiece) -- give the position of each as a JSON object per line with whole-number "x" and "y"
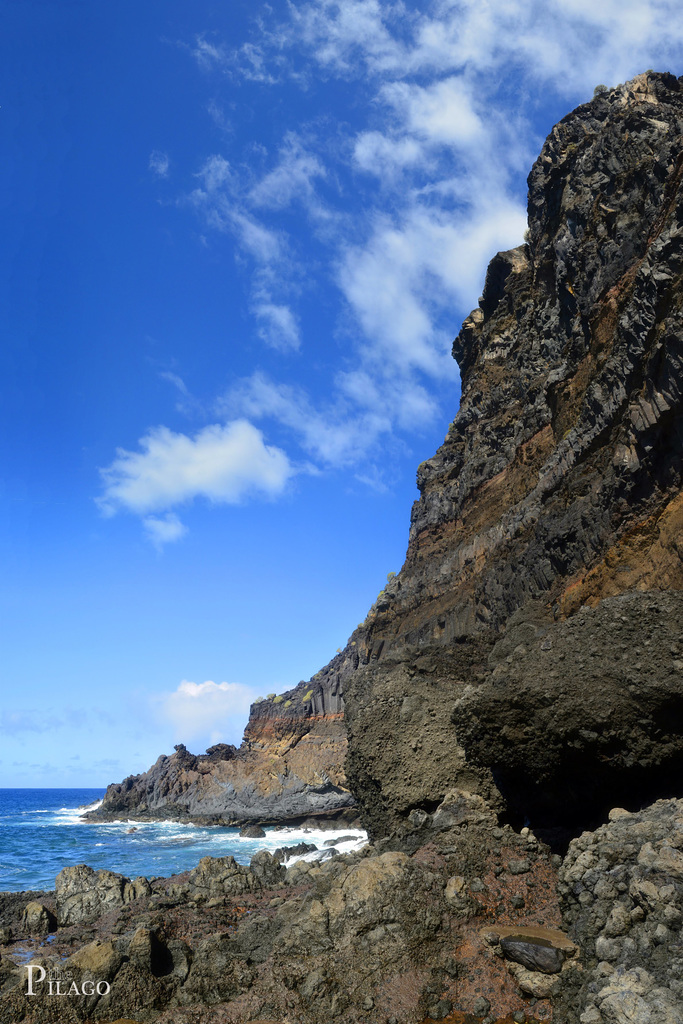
{"x": 43, "y": 831}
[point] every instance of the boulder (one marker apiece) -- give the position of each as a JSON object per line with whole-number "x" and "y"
{"x": 534, "y": 954}
{"x": 252, "y": 832}
{"x": 216, "y": 877}
{"x": 98, "y": 960}
{"x": 38, "y": 919}
{"x": 84, "y": 894}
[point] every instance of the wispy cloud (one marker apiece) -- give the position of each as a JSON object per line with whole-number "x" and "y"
{"x": 210, "y": 711}
{"x": 225, "y": 464}
{"x": 176, "y": 381}
{"x": 278, "y": 326}
{"x": 159, "y": 163}
{"x": 402, "y": 207}
{"x": 164, "y": 530}
{"x": 210, "y": 55}
{"x": 332, "y": 437}
{"x": 436, "y": 147}
{"x": 292, "y": 178}
{"x": 562, "y": 42}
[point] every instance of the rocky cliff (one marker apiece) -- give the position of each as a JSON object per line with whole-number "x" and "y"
{"x": 525, "y": 668}
{"x": 488, "y": 659}
{"x": 558, "y": 485}
{"x": 290, "y": 767}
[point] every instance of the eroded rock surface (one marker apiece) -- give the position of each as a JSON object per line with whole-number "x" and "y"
{"x": 621, "y": 890}
{"x": 84, "y": 894}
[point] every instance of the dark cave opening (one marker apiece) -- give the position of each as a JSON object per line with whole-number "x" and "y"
{"x": 579, "y": 798}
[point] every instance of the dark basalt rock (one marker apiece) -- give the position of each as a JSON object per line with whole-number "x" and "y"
{"x": 252, "y": 832}
{"x": 285, "y": 853}
{"x": 533, "y": 955}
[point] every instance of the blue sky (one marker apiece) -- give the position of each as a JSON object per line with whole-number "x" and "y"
{"x": 238, "y": 239}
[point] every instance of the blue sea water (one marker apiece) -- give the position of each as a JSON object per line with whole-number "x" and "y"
{"x": 43, "y": 831}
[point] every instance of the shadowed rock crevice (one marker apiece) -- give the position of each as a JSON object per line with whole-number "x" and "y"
{"x": 580, "y": 716}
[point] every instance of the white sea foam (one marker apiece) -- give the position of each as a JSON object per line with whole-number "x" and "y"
{"x": 275, "y": 838}
{"x": 89, "y": 807}
{"x": 68, "y": 816}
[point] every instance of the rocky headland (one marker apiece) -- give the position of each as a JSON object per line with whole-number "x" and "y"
{"x": 510, "y": 711}
{"x": 289, "y": 767}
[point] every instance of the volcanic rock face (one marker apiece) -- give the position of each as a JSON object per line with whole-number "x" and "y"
{"x": 558, "y": 485}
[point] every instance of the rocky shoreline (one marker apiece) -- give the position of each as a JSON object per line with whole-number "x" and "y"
{"x": 469, "y": 921}
{"x": 346, "y": 817}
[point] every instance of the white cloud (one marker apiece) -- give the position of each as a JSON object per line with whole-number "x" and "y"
{"x": 208, "y": 55}
{"x": 211, "y": 711}
{"x": 345, "y": 430}
{"x": 338, "y": 32}
{"x": 433, "y": 158}
{"x": 406, "y": 270}
{"x": 176, "y": 381}
{"x": 164, "y": 530}
{"x": 572, "y": 44}
{"x": 224, "y": 464}
{"x": 442, "y": 112}
{"x": 337, "y": 437}
{"x": 159, "y": 163}
{"x": 215, "y": 173}
{"x": 382, "y": 155}
{"x": 278, "y": 326}
{"x": 291, "y": 179}
{"x": 250, "y": 61}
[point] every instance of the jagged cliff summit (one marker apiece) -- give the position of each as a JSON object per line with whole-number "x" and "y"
{"x": 529, "y": 650}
